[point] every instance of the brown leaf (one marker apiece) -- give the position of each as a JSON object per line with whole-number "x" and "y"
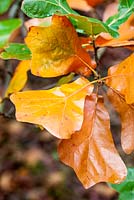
{"x": 122, "y": 78}
{"x": 126, "y": 113}
{"x": 56, "y": 50}
{"x": 59, "y": 110}
{"x": 91, "y": 151}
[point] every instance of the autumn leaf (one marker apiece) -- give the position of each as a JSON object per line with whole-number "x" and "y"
{"x": 126, "y": 113}
{"x": 84, "y": 5}
{"x": 19, "y": 79}
{"x": 56, "y": 50}
{"x": 79, "y": 5}
{"x": 91, "y": 151}
{"x": 94, "y": 3}
{"x": 59, "y": 110}
{"x": 121, "y": 78}
{"x": 102, "y": 42}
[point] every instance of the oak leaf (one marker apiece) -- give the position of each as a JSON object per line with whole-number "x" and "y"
{"x": 121, "y": 78}
{"x": 59, "y": 110}
{"x": 19, "y": 78}
{"x": 126, "y": 113}
{"x": 91, "y": 151}
{"x": 56, "y": 49}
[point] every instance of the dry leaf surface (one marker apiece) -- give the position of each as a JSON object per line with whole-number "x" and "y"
{"x": 59, "y": 110}
{"x": 91, "y": 151}
{"x": 56, "y": 50}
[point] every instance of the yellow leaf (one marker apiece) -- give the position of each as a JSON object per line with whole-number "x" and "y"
{"x": 122, "y": 78}
{"x": 56, "y": 49}
{"x": 19, "y": 79}
{"x": 91, "y": 151}
{"x": 59, "y": 110}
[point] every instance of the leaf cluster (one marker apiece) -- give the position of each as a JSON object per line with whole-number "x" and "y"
{"x": 76, "y": 111}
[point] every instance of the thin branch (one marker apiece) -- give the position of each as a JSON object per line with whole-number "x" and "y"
{"x": 95, "y": 73}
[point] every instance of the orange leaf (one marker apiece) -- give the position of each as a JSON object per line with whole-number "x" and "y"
{"x": 91, "y": 151}
{"x": 94, "y": 3}
{"x": 79, "y": 5}
{"x": 59, "y": 110}
{"x": 122, "y": 78}
{"x": 56, "y": 50}
{"x": 20, "y": 77}
{"x": 101, "y": 42}
{"x": 84, "y": 5}
{"x": 126, "y": 113}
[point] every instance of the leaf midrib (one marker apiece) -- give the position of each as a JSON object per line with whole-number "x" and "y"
{"x": 117, "y": 19}
{"x": 51, "y": 3}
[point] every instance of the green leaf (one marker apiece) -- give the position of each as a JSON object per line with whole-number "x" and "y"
{"x": 126, "y": 188}
{"x": 126, "y": 8}
{"x": 16, "y": 51}
{"x": 7, "y": 27}
{"x": 125, "y": 4}
{"x": 45, "y": 8}
{"x": 4, "y": 5}
{"x": 90, "y": 26}
{"x": 66, "y": 79}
